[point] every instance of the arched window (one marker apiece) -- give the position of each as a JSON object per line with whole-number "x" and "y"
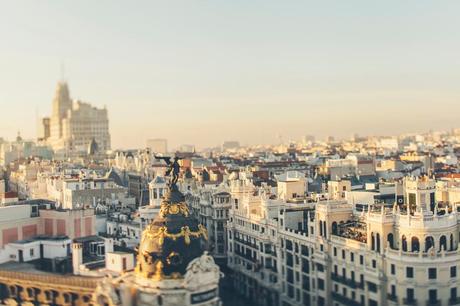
{"x": 390, "y": 240}
{"x": 378, "y": 242}
{"x": 429, "y": 243}
{"x": 325, "y": 229}
{"x": 321, "y": 228}
{"x": 451, "y": 242}
{"x": 404, "y": 243}
{"x": 442, "y": 243}
{"x": 372, "y": 242}
{"x": 334, "y": 228}
{"x": 415, "y": 244}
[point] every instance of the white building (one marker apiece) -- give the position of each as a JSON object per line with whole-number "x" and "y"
{"x": 291, "y": 185}
{"x": 74, "y": 124}
{"x": 327, "y": 254}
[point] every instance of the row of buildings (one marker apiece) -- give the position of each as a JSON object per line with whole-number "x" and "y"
{"x": 359, "y": 222}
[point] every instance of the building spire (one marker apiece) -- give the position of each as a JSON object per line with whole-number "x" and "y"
{"x": 62, "y": 71}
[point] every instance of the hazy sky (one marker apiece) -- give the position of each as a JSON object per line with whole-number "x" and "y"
{"x": 201, "y": 72}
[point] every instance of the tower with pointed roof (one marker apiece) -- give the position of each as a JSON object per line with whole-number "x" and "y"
{"x": 75, "y": 126}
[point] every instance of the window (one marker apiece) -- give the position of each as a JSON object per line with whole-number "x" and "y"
{"x": 321, "y": 301}
{"x": 432, "y": 273}
{"x": 429, "y": 243}
{"x": 453, "y": 271}
{"x": 361, "y": 259}
{"x": 352, "y": 257}
{"x": 289, "y": 259}
{"x": 306, "y": 299}
{"x": 390, "y": 240}
{"x": 453, "y": 293}
{"x": 305, "y": 266}
{"x": 304, "y": 250}
{"x": 404, "y": 243}
{"x": 409, "y": 272}
{"x": 290, "y": 276}
{"x": 433, "y": 295}
{"x": 372, "y": 287}
{"x": 393, "y": 290}
{"x": 415, "y": 244}
{"x": 374, "y": 263}
{"x": 320, "y": 284}
{"x": 410, "y": 294}
{"x": 305, "y": 282}
{"x": 443, "y": 243}
{"x": 290, "y": 291}
{"x": 373, "y": 303}
{"x": 393, "y": 269}
{"x": 343, "y": 254}
{"x": 335, "y": 251}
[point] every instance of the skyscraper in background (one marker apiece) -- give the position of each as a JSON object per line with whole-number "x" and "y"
{"x": 74, "y": 124}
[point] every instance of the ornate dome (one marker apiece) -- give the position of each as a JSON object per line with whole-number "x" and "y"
{"x": 171, "y": 241}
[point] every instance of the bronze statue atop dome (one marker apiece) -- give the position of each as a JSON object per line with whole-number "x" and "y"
{"x": 174, "y": 238}
{"x": 173, "y": 168}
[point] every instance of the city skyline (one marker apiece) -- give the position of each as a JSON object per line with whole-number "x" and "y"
{"x": 239, "y": 71}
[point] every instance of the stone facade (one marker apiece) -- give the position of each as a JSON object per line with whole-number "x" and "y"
{"x": 74, "y": 124}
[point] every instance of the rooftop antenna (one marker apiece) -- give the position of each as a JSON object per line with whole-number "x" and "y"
{"x": 62, "y": 71}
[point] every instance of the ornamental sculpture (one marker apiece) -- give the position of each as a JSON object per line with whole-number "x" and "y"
{"x": 173, "y": 170}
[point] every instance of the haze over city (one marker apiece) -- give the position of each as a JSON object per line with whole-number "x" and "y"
{"x": 229, "y": 153}
{"x": 234, "y": 70}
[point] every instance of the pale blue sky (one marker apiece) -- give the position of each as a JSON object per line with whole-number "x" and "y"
{"x": 245, "y": 70}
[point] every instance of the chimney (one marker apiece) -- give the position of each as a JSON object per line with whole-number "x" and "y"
{"x": 77, "y": 257}
{"x": 108, "y": 245}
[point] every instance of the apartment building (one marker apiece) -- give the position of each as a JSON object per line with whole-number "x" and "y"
{"x": 328, "y": 253}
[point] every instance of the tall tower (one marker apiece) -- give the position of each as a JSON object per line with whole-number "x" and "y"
{"x": 61, "y": 105}
{"x": 61, "y": 101}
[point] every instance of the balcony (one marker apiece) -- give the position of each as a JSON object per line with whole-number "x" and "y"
{"x": 344, "y": 300}
{"x": 433, "y": 303}
{"x": 454, "y": 301}
{"x": 409, "y": 301}
{"x": 340, "y": 279}
{"x": 392, "y": 297}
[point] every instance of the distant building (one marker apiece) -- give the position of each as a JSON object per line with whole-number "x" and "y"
{"x": 308, "y": 139}
{"x": 291, "y": 185}
{"x": 19, "y": 149}
{"x": 44, "y": 131}
{"x": 158, "y": 145}
{"x": 84, "y": 192}
{"x": 74, "y": 124}
{"x": 230, "y": 145}
{"x": 187, "y": 148}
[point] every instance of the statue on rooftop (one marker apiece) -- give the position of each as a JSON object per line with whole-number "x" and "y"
{"x": 173, "y": 170}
